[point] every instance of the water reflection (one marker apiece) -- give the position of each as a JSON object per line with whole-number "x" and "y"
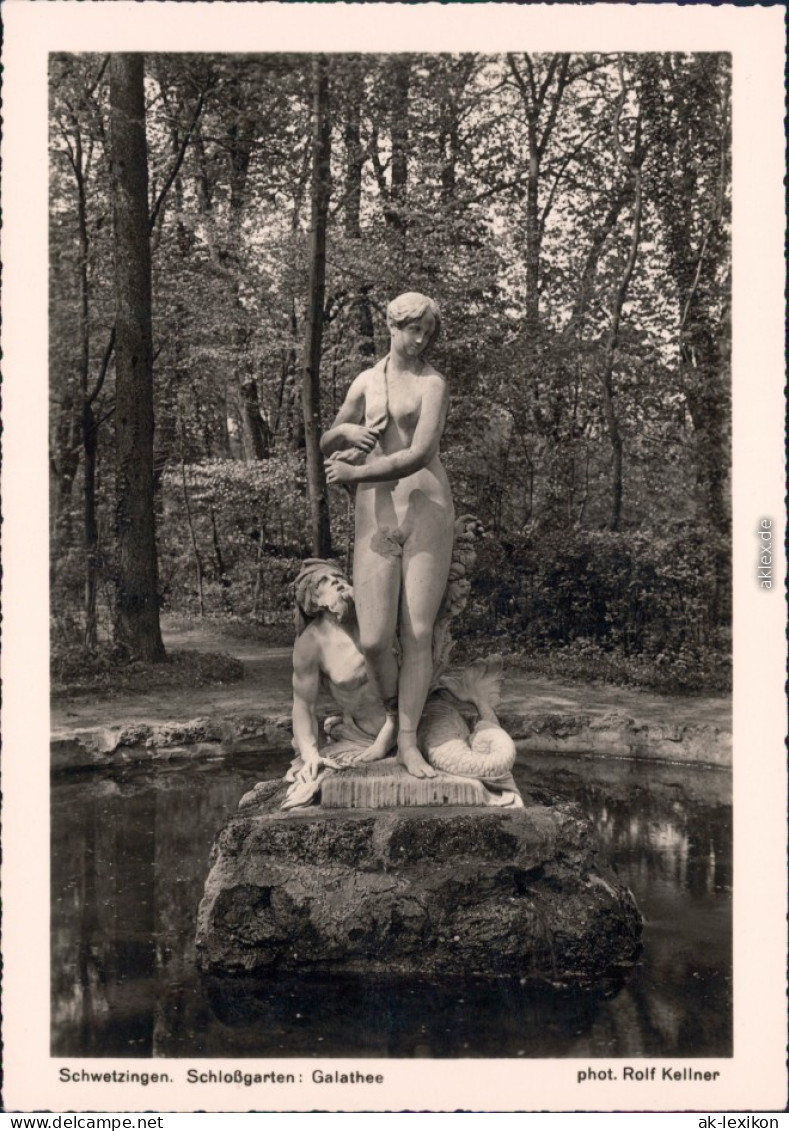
{"x": 667, "y": 830}
{"x": 130, "y": 855}
{"x": 104, "y": 925}
{"x": 397, "y": 1018}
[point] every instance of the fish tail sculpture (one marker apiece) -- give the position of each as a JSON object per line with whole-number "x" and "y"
{"x": 487, "y": 751}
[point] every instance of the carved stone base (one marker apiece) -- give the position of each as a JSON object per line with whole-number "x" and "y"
{"x": 427, "y": 891}
{"x": 388, "y": 785}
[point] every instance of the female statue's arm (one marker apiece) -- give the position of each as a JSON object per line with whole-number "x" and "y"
{"x": 347, "y": 431}
{"x": 422, "y": 449}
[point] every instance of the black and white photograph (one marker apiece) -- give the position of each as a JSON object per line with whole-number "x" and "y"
{"x": 394, "y": 514}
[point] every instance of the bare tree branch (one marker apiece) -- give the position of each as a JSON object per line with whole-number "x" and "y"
{"x": 518, "y": 79}
{"x": 90, "y": 91}
{"x": 546, "y": 82}
{"x": 380, "y": 169}
{"x": 566, "y": 162}
{"x": 178, "y": 161}
{"x": 105, "y": 362}
{"x": 561, "y": 83}
{"x": 530, "y": 74}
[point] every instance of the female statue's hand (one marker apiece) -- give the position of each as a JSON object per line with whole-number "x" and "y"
{"x": 360, "y": 436}
{"x": 339, "y": 471}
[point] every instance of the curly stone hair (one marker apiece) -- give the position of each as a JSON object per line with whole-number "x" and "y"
{"x": 313, "y": 571}
{"x": 410, "y": 307}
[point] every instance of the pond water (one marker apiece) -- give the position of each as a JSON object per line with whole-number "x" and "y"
{"x": 130, "y": 855}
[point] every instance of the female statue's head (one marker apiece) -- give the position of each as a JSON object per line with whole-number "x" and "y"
{"x": 410, "y": 307}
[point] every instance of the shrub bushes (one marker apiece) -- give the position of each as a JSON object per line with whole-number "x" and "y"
{"x": 77, "y": 672}
{"x": 643, "y": 607}
{"x": 247, "y": 521}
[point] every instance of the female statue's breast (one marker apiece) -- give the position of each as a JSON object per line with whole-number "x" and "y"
{"x": 405, "y": 411}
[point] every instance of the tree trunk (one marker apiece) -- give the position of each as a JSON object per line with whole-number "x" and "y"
{"x": 192, "y": 535}
{"x": 88, "y": 421}
{"x": 354, "y": 152}
{"x": 687, "y": 102}
{"x": 599, "y": 237}
{"x": 401, "y": 84}
{"x": 320, "y": 192}
{"x": 632, "y": 166}
{"x": 240, "y": 144}
{"x": 354, "y": 166}
{"x": 365, "y": 328}
{"x": 293, "y": 383}
{"x": 137, "y": 603}
{"x": 64, "y": 455}
{"x": 533, "y": 236}
{"x": 541, "y": 101}
{"x": 259, "y": 568}
{"x": 449, "y": 145}
{"x": 90, "y": 441}
{"x": 224, "y": 580}
{"x": 255, "y": 433}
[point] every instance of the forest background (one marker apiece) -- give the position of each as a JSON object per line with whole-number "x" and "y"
{"x": 226, "y": 231}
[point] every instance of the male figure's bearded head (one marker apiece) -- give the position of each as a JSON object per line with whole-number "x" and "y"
{"x": 321, "y": 586}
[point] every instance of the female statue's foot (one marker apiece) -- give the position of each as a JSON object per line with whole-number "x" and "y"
{"x": 408, "y": 755}
{"x": 383, "y": 742}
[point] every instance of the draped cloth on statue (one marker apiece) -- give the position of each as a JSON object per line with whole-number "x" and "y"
{"x": 376, "y": 411}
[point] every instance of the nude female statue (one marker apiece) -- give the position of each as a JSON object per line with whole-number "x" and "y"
{"x": 385, "y": 441}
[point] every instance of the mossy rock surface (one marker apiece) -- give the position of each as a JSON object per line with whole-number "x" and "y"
{"x": 420, "y": 891}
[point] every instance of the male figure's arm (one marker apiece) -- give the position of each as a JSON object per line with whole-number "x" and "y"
{"x": 306, "y": 687}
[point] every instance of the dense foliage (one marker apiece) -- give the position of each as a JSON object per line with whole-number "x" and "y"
{"x": 570, "y": 214}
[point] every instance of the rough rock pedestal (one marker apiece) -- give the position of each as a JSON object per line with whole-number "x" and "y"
{"x": 425, "y": 890}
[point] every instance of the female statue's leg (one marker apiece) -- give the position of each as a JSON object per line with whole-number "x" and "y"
{"x": 376, "y": 588}
{"x": 426, "y": 558}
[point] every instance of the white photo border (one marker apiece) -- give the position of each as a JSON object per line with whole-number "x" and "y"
{"x": 755, "y": 1078}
